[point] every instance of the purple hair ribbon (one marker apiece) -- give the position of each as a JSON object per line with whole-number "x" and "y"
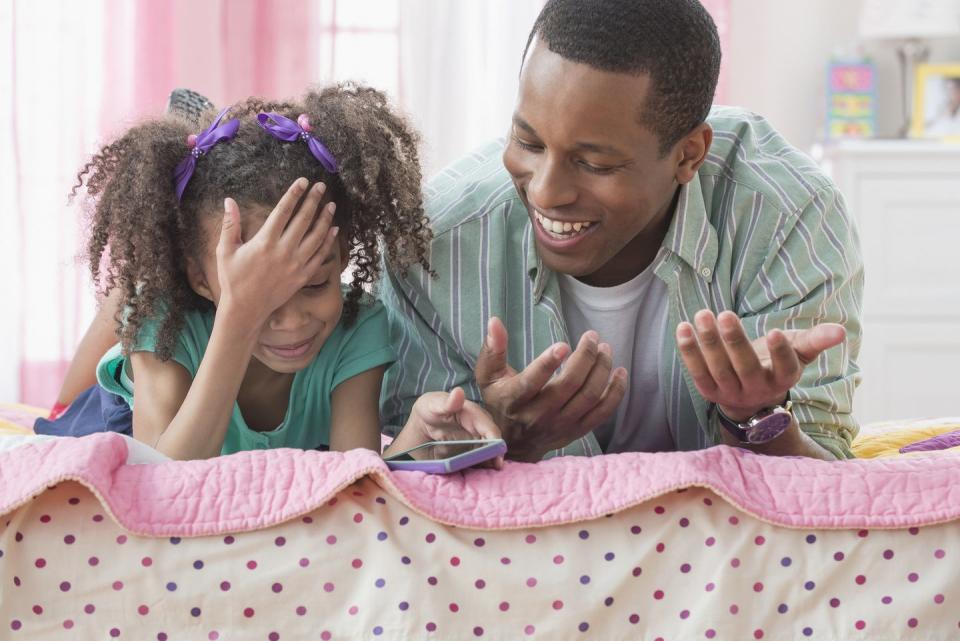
{"x": 200, "y": 144}
{"x": 290, "y": 130}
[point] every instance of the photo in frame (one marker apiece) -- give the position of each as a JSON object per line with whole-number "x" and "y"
{"x": 936, "y": 102}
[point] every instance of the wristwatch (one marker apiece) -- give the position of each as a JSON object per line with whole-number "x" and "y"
{"x": 762, "y": 427}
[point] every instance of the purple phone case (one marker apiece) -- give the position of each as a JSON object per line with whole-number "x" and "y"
{"x": 455, "y": 463}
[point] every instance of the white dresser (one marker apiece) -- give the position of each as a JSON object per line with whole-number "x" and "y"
{"x": 905, "y": 197}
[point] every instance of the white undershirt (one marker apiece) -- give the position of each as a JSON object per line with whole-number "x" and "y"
{"x": 632, "y": 318}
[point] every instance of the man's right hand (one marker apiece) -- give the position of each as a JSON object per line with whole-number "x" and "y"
{"x": 540, "y": 409}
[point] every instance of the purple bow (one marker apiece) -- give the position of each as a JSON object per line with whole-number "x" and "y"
{"x": 290, "y": 130}
{"x": 201, "y": 144}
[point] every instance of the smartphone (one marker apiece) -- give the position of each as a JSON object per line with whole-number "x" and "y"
{"x": 445, "y": 457}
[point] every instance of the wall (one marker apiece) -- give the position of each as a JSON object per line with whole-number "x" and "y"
{"x": 778, "y": 52}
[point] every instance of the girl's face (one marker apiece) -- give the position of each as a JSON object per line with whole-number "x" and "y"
{"x": 295, "y": 332}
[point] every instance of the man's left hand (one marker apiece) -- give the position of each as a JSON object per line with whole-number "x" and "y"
{"x": 744, "y": 377}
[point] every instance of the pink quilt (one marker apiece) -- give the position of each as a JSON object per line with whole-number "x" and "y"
{"x": 286, "y": 545}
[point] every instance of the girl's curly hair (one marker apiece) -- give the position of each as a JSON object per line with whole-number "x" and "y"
{"x": 141, "y": 236}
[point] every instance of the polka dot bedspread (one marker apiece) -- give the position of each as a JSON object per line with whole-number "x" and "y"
{"x": 292, "y": 545}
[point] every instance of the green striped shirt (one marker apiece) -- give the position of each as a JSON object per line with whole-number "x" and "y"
{"x": 760, "y": 231}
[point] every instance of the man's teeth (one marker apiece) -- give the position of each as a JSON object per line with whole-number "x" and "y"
{"x": 555, "y": 227}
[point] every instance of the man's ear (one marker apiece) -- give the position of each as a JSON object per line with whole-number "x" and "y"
{"x": 691, "y": 151}
{"x": 198, "y": 280}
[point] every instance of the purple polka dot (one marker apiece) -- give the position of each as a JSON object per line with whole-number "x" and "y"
{"x": 532, "y": 582}
{"x": 114, "y": 632}
{"x": 783, "y": 608}
{"x": 478, "y": 631}
{"x": 277, "y": 588}
{"x": 404, "y": 520}
{"x": 583, "y": 627}
{"x": 229, "y": 540}
{"x": 432, "y": 580}
{"x": 195, "y": 612}
{"x": 40, "y": 563}
{"x": 171, "y": 587}
{"x": 225, "y": 586}
{"x": 530, "y": 538}
{"x": 479, "y": 542}
{"x": 37, "y": 609}
{"x": 913, "y": 577}
{"x": 405, "y": 560}
{"x": 69, "y": 539}
{"x": 685, "y": 568}
{"x": 938, "y": 599}
{"x": 709, "y": 542}
{"x": 684, "y": 522}
{"x": 710, "y": 633}
{"x": 807, "y": 632}
{"x": 734, "y": 562}
{"x": 709, "y": 587}
{"x": 838, "y": 556}
{"x": 328, "y": 587}
{"x": 280, "y": 541}
{"x": 118, "y": 585}
{"x": 175, "y": 540}
{"x": 404, "y": 606}
{"x": 504, "y": 606}
{"x": 377, "y": 630}
{"x": 430, "y": 538}
{"x": 381, "y": 536}
{"x": 304, "y": 562}
{"x": 65, "y": 586}
{"x": 97, "y": 518}
{"x": 431, "y": 626}
{"x": 529, "y": 629}
{"x": 636, "y": 529}
{"x": 584, "y": 579}
{"x": 811, "y": 538}
{"x": 939, "y": 554}
{"x": 379, "y": 583}
{"x": 609, "y": 556}
{"x": 887, "y": 600}
{"x": 809, "y": 585}
{"x": 834, "y": 602}
{"x": 161, "y": 636}
{"x": 786, "y": 561}
{"x": 301, "y": 610}
{"x": 15, "y": 625}
{"x": 74, "y": 501}
{"x": 274, "y": 636}
{"x": 89, "y": 608}
{"x": 914, "y": 531}
{"x": 912, "y": 622}
{"x": 198, "y": 565}
{"x": 213, "y": 636}
{"x": 480, "y": 584}
{"x": 584, "y": 535}
{"x": 637, "y": 571}
{"x": 608, "y": 601}
{"x": 505, "y": 560}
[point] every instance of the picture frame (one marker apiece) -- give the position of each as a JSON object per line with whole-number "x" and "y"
{"x": 936, "y": 102}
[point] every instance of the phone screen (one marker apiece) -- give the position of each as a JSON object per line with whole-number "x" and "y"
{"x": 438, "y": 450}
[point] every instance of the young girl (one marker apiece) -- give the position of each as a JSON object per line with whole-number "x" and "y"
{"x": 225, "y": 251}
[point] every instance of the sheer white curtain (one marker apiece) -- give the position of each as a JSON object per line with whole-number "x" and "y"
{"x": 460, "y": 62}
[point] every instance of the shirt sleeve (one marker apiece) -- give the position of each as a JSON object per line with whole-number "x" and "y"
{"x": 366, "y": 345}
{"x": 813, "y": 274}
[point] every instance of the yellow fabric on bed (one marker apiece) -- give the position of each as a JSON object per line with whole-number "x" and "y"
{"x": 885, "y": 439}
{"x": 13, "y": 417}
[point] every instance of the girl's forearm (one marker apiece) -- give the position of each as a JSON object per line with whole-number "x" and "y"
{"x": 200, "y": 426}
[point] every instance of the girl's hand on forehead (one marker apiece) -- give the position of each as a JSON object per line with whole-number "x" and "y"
{"x": 258, "y": 276}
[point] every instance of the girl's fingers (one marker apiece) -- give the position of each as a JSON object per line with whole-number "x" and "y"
{"x": 278, "y": 218}
{"x": 318, "y": 239}
{"x": 230, "y": 237}
{"x": 304, "y": 217}
{"x": 313, "y": 265}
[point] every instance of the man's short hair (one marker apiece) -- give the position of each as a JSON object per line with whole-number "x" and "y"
{"x": 675, "y": 42}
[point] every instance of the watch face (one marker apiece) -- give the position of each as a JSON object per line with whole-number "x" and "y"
{"x": 768, "y": 427}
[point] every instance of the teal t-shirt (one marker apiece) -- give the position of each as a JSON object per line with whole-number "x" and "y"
{"x": 347, "y": 352}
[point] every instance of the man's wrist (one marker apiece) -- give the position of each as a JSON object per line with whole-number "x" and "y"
{"x": 743, "y": 414}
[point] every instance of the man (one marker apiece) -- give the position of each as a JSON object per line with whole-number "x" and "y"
{"x": 705, "y": 271}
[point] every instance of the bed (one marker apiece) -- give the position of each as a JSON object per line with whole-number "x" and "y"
{"x": 283, "y": 544}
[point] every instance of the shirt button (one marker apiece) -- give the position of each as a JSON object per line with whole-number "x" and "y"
{"x": 705, "y": 272}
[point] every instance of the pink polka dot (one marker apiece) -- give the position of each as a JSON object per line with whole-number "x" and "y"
{"x": 353, "y": 610}
{"x": 860, "y": 625}
{"x": 531, "y": 538}
{"x": 759, "y": 540}
{"x": 528, "y": 630}
{"x": 913, "y": 577}
{"x": 661, "y": 547}
{"x": 146, "y": 561}
{"x": 531, "y": 582}
{"x": 277, "y": 588}
{"x": 301, "y": 610}
{"x": 357, "y": 518}
{"x": 143, "y": 610}
{"x": 118, "y": 585}
{"x": 431, "y": 626}
{"x": 89, "y": 608}
{"x": 455, "y": 561}
{"x": 939, "y": 554}
{"x": 304, "y": 562}
{"x": 93, "y": 561}
{"x": 213, "y": 636}
{"x": 248, "y": 612}
{"x": 710, "y": 541}
{"x": 914, "y": 531}
{"x": 505, "y": 560}
{"x": 38, "y": 610}
{"x": 758, "y": 587}
{"x": 659, "y": 509}
{"x": 734, "y": 562}
{"x": 658, "y": 594}
{"x": 634, "y": 619}
{"x": 558, "y": 605}
{"x": 40, "y": 563}
{"x": 860, "y": 579}
{"x": 97, "y": 518}
{"x": 710, "y": 633}
{"x": 758, "y": 634}
{"x": 121, "y": 539}
{"x": 734, "y": 608}
{"x": 938, "y": 599}
{"x": 68, "y": 624}
{"x": 331, "y": 540}
{"x": 558, "y": 559}
{"x": 709, "y": 587}
{"x": 325, "y": 635}
{"x": 684, "y": 614}
{"x": 454, "y": 607}
{"x": 357, "y": 564}
{"x": 69, "y": 539}
{"x": 45, "y": 518}
{"x": 733, "y": 520}
{"x": 863, "y": 534}
{"x": 328, "y": 587}
{"x": 251, "y": 565}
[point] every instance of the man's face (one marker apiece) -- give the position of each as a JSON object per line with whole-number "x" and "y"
{"x": 599, "y": 195}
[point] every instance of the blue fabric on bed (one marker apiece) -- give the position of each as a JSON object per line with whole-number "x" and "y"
{"x": 94, "y": 410}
